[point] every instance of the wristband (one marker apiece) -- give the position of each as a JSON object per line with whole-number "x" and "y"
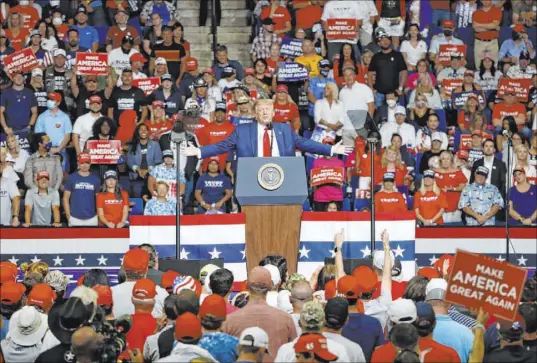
{"x": 480, "y": 326}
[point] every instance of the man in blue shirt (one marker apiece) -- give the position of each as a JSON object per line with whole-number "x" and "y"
{"x": 89, "y": 38}
{"x": 519, "y": 42}
{"x": 81, "y": 189}
{"x": 18, "y": 106}
{"x": 57, "y": 125}
{"x": 317, "y": 84}
{"x": 447, "y": 331}
{"x": 213, "y": 189}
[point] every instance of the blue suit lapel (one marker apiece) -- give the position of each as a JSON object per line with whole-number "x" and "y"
{"x": 279, "y": 138}
{"x": 253, "y": 137}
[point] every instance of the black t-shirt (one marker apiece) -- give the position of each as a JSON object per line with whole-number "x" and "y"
{"x": 173, "y": 55}
{"x": 150, "y": 35}
{"x": 41, "y": 97}
{"x": 424, "y": 165}
{"x": 387, "y": 67}
{"x": 58, "y": 354}
{"x": 172, "y": 104}
{"x": 184, "y": 85}
{"x": 533, "y": 96}
{"x": 511, "y": 354}
{"x": 82, "y": 101}
{"x": 59, "y": 83}
{"x": 131, "y": 99}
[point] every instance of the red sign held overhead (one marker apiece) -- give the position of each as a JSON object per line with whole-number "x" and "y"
{"x": 332, "y": 175}
{"x": 148, "y": 85}
{"x": 92, "y": 64}
{"x": 104, "y": 151}
{"x": 521, "y": 87}
{"x": 341, "y": 29}
{"x": 481, "y": 281}
{"x": 446, "y": 50}
{"x": 24, "y": 60}
{"x": 450, "y": 85}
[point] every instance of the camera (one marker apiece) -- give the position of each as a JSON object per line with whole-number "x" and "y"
{"x": 115, "y": 336}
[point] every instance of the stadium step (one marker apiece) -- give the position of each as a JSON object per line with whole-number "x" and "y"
{"x": 225, "y": 4}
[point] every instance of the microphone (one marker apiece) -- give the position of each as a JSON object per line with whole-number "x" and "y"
{"x": 506, "y": 133}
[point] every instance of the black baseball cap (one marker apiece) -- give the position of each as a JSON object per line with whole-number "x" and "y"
{"x": 81, "y": 9}
{"x": 268, "y": 21}
{"x": 220, "y": 106}
{"x": 336, "y": 311}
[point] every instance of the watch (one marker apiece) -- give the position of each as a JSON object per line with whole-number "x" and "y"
{"x": 336, "y": 249}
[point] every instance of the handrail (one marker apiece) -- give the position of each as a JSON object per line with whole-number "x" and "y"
{"x": 214, "y": 30}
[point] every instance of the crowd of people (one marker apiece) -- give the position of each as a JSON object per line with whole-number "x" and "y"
{"x": 451, "y": 147}
{"x": 365, "y": 315}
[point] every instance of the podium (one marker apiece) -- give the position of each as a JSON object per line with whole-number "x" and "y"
{"x": 271, "y": 192}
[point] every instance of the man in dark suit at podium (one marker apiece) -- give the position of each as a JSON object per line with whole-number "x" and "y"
{"x": 257, "y": 139}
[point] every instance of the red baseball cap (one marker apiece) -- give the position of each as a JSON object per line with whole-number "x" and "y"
{"x": 348, "y": 287}
{"x": 249, "y": 71}
{"x": 84, "y": 157}
{"x": 282, "y": 88}
{"x": 208, "y": 70}
{"x": 138, "y": 57}
{"x": 191, "y": 64}
{"x": 144, "y": 289}
{"x": 428, "y": 272}
{"x": 463, "y": 154}
{"x": 314, "y": 343}
{"x": 42, "y": 295}
{"x": 477, "y": 133}
{"x": 80, "y": 280}
{"x": 187, "y": 327}
{"x": 330, "y": 289}
{"x": 8, "y": 271}
{"x": 519, "y": 28}
{"x": 213, "y": 305}
{"x": 158, "y": 103}
{"x": 55, "y": 96}
{"x": 448, "y": 24}
{"x": 11, "y": 292}
{"x": 136, "y": 260}
{"x": 104, "y": 295}
{"x": 95, "y": 99}
{"x": 166, "y": 281}
{"x": 42, "y": 174}
{"x": 367, "y": 279}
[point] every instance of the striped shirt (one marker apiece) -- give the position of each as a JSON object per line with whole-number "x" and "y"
{"x": 460, "y": 318}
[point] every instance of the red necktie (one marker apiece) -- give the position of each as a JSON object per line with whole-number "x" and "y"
{"x": 266, "y": 144}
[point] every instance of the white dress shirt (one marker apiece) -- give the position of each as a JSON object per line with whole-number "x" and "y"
{"x": 331, "y": 113}
{"x": 356, "y": 98}
{"x": 122, "y": 293}
{"x": 84, "y": 128}
{"x": 488, "y": 162}
{"x": 406, "y": 131}
{"x": 423, "y": 141}
{"x": 260, "y": 135}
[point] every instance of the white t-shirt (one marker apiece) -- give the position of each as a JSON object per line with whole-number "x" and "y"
{"x": 122, "y": 293}
{"x": 224, "y": 83}
{"x": 413, "y": 55}
{"x": 286, "y": 353}
{"x": 488, "y": 82}
{"x": 8, "y": 191}
{"x": 119, "y": 60}
{"x": 356, "y": 98}
{"x": 344, "y": 10}
{"x": 84, "y": 128}
{"x": 20, "y": 161}
{"x": 368, "y": 9}
{"x": 407, "y": 132}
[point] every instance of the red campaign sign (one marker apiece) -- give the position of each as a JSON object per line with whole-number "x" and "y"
{"x": 481, "y": 281}
{"x": 341, "y": 29}
{"x": 24, "y": 60}
{"x": 104, "y": 151}
{"x": 446, "y": 50}
{"x": 148, "y": 85}
{"x": 466, "y": 140}
{"x": 333, "y": 175}
{"x": 450, "y": 85}
{"x": 92, "y": 64}
{"x": 520, "y": 86}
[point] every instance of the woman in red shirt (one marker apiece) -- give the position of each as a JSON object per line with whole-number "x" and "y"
{"x": 285, "y": 110}
{"x": 112, "y": 202}
{"x": 451, "y": 180}
{"x": 469, "y": 112}
{"x": 393, "y": 162}
{"x": 179, "y": 38}
{"x": 430, "y": 202}
{"x": 280, "y": 15}
{"x": 274, "y": 58}
{"x": 388, "y": 199}
{"x": 347, "y": 59}
{"x": 363, "y": 163}
{"x": 16, "y": 34}
{"x": 159, "y": 123}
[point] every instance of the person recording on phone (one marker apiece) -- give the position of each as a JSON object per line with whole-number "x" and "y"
{"x": 264, "y": 139}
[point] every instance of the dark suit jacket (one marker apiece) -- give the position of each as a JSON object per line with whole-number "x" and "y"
{"x": 499, "y": 173}
{"x": 244, "y": 141}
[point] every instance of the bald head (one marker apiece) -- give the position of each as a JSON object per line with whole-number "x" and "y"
{"x": 301, "y": 293}
{"x": 85, "y": 344}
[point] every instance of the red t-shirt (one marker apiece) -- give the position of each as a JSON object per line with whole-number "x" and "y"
{"x": 398, "y": 289}
{"x": 390, "y": 202}
{"x": 158, "y": 128}
{"x": 436, "y": 352}
{"x": 62, "y": 31}
{"x": 213, "y": 133}
{"x": 451, "y": 180}
{"x": 339, "y": 77}
{"x": 430, "y": 204}
{"x": 17, "y": 42}
{"x": 112, "y": 207}
{"x": 487, "y": 17}
{"x": 280, "y": 16}
{"x": 501, "y": 110}
{"x": 115, "y": 35}
{"x": 272, "y": 64}
{"x": 29, "y": 15}
{"x": 285, "y": 113}
{"x": 308, "y": 16}
{"x": 399, "y": 175}
{"x": 143, "y": 325}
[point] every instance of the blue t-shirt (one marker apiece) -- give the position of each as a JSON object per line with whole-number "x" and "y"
{"x": 88, "y": 36}
{"x": 316, "y": 86}
{"x": 454, "y": 335}
{"x": 18, "y": 106}
{"x": 523, "y": 203}
{"x": 83, "y": 190}
{"x": 365, "y": 331}
{"x": 213, "y": 188}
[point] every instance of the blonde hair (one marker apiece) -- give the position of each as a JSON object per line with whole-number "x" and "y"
{"x": 521, "y": 147}
{"x": 451, "y": 158}
{"x": 335, "y": 91}
{"x": 424, "y": 89}
{"x": 398, "y": 158}
{"x": 37, "y": 267}
{"x": 3, "y": 154}
{"x": 436, "y": 189}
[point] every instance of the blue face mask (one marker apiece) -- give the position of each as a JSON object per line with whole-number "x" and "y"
{"x": 324, "y": 72}
{"x": 48, "y": 146}
{"x": 51, "y": 104}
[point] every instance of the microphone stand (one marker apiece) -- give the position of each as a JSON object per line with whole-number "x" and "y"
{"x": 509, "y": 177}
{"x": 372, "y": 144}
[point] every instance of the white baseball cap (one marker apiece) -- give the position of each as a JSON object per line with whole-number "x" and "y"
{"x": 400, "y": 110}
{"x": 274, "y": 274}
{"x": 436, "y": 136}
{"x": 160, "y": 60}
{"x": 378, "y": 259}
{"x": 59, "y": 52}
{"x": 37, "y": 72}
{"x": 254, "y": 337}
{"x": 402, "y": 311}
{"x": 436, "y": 289}
{"x": 28, "y": 326}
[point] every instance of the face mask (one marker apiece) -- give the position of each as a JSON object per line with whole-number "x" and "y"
{"x": 48, "y": 146}
{"x": 515, "y": 36}
{"x": 51, "y": 104}
{"x": 391, "y": 103}
{"x": 24, "y": 3}
{"x": 324, "y": 72}
{"x": 57, "y": 21}
{"x": 448, "y": 32}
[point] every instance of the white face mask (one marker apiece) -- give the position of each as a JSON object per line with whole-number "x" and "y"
{"x": 54, "y": 3}
{"x": 57, "y": 21}
{"x": 391, "y": 103}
